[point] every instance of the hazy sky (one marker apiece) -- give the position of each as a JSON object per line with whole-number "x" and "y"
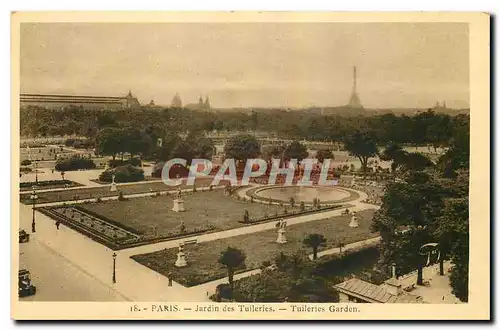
{"x": 251, "y": 64}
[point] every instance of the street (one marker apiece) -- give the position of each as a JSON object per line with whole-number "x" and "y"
{"x": 57, "y": 279}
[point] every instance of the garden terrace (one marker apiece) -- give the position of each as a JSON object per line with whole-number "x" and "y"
{"x": 95, "y": 192}
{"x": 151, "y": 219}
{"x": 202, "y": 258}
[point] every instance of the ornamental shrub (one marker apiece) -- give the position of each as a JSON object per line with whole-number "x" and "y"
{"x": 74, "y": 163}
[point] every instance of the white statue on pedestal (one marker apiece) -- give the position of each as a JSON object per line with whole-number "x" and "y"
{"x": 354, "y": 221}
{"x": 181, "y": 258}
{"x": 113, "y": 183}
{"x": 178, "y": 202}
{"x": 281, "y": 232}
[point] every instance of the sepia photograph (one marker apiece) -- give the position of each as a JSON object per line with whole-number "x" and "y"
{"x": 250, "y": 166}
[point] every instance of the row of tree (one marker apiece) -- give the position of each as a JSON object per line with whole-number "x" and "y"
{"x": 422, "y": 128}
{"x": 113, "y": 141}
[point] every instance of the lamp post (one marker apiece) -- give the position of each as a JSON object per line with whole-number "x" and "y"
{"x": 114, "y": 267}
{"x": 34, "y": 197}
{"x": 36, "y": 171}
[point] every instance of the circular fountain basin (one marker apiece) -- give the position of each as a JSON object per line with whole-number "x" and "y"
{"x": 304, "y": 194}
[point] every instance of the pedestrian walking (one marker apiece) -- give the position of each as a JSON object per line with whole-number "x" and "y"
{"x": 170, "y": 279}
{"x": 58, "y": 223}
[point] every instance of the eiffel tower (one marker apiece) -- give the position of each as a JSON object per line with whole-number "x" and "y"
{"x": 354, "y": 101}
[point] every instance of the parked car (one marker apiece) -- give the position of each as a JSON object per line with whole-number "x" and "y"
{"x": 23, "y": 236}
{"x": 26, "y": 287}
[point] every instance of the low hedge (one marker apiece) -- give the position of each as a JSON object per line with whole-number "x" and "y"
{"x": 344, "y": 264}
{"x": 175, "y": 170}
{"x": 74, "y": 163}
{"x": 42, "y": 184}
{"x": 80, "y": 143}
{"x": 126, "y": 173}
{"x": 118, "y": 162}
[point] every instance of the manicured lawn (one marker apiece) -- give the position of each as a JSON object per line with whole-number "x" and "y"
{"x": 202, "y": 209}
{"x": 202, "y": 258}
{"x": 94, "y": 192}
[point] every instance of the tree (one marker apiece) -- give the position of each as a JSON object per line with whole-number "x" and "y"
{"x": 242, "y": 147}
{"x": 457, "y": 156}
{"x": 183, "y": 150}
{"x": 109, "y": 141}
{"x": 323, "y": 154}
{"x": 264, "y": 287}
{"x": 393, "y": 152}
{"x": 291, "y": 281}
{"x": 414, "y": 161}
{"x": 295, "y": 150}
{"x": 201, "y": 146}
{"x": 340, "y": 244}
{"x": 233, "y": 259}
{"x": 293, "y": 265}
{"x": 314, "y": 241}
{"x": 273, "y": 151}
{"x": 362, "y": 146}
{"x": 136, "y": 142}
{"x": 169, "y": 142}
{"x": 407, "y": 220}
{"x": 453, "y": 235}
{"x": 246, "y": 217}
{"x": 407, "y": 161}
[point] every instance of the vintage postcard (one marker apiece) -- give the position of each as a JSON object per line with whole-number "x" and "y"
{"x": 250, "y": 166}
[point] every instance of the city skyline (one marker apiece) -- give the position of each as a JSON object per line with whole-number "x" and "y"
{"x": 287, "y": 65}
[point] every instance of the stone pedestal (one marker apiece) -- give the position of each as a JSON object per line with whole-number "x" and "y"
{"x": 354, "y": 222}
{"x": 178, "y": 205}
{"x": 113, "y": 183}
{"x": 181, "y": 259}
{"x": 281, "y": 236}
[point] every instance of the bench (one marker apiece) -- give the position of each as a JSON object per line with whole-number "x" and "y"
{"x": 190, "y": 241}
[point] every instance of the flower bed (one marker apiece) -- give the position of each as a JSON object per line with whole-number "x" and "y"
{"x": 49, "y": 184}
{"x": 112, "y": 233}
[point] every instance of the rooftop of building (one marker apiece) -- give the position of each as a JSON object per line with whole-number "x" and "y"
{"x": 374, "y": 293}
{"x": 436, "y": 288}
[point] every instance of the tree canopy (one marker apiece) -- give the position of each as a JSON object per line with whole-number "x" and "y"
{"x": 233, "y": 259}
{"x": 242, "y": 147}
{"x": 315, "y": 241}
{"x": 362, "y": 146}
{"x": 295, "y": 150}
